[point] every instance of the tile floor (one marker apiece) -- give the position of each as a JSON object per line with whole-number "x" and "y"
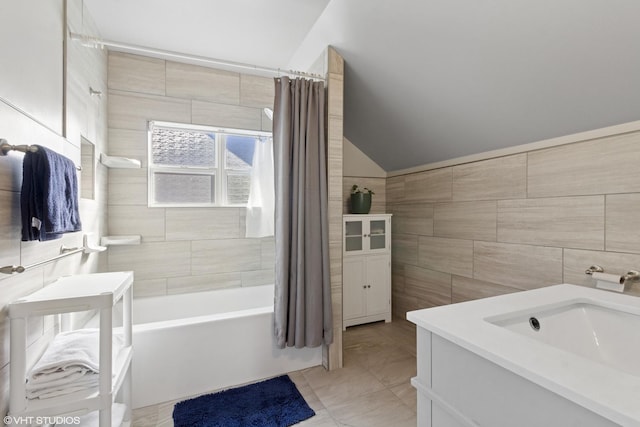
{"x": 371, "y": 390}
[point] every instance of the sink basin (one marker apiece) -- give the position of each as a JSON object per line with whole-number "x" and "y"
{"x": 585, "y": 347}
{"x": 602, "y": 334}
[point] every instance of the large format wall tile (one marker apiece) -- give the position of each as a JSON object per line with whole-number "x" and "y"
{"x": 465, "y": 220}
{"x": 433, "y": 185}
{"x": 205, "y": 282}
{"x": 134, "y": 111}
{"x": 395, "y": 189}
{"x": 136, "y": 73}
{"x": 10, "y": 226}
{"x": 500, "y": 178}
{"x": 570, "y": 222}
{"x": 414, "y": 218}
{"x": 558, "y": 210}
{"x": 128, "y": 187}
{"x": 155, "y": 260}
{"x": 195, "y": 82}
{"x": 256, "y": 91}
{"x": 149, "y": 287}
{"x": 446, "y": 255}
{"x": 602, "y": 166}
{"x": 258, "y": 277}
{"x": 268, "y": 253}
{"x": 335, "y": 99}
{"x": 233, "y": 116}
{"x": 465, "y": 289}
{"x": 203, "y": 223}
{"x": 18, "y": 286}
{"x": 129, "y": 143}
{"x": 430, "y": 288}
{"x": 227, "y": 255}
{"x": 623, "y": 222}
{"x": 404, "y": 248}
{"x": 517, "y": 266}
{"x": 149, "y": 223}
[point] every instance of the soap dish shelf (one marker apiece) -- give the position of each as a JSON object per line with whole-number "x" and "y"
{"x": 120, "y": 240}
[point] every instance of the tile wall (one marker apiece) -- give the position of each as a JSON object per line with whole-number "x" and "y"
{"x": 332, "y": 354}
{"x": 517, "y": 222}
{"x": 84, "y": 116}
{"x": 183, "y": 249}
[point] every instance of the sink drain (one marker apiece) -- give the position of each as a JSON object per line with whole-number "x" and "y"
{"x": 534, "y": 323}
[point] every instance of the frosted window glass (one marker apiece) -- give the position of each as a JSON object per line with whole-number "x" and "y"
{"x": 180, "y": 147}
{"x": 238, "y": 189}
{"x": 184, "y": 188}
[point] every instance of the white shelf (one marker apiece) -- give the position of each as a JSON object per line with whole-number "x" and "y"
{"x": 119, "y": 162}
{"x": 74, "y": 293}
{"x": 88, "y": 400}
{"x": 120, "y": 240}
{"x": 71, "y": 294}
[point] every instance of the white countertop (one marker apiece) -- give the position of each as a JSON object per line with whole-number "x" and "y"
{"x": 604, "y": 390}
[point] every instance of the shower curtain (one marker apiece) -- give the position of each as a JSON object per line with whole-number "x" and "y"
{"x": 303, "y": 316}
{"x": 260, "y": 206}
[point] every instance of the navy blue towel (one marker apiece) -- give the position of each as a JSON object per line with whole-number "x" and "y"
{"x": 49, "y": 197}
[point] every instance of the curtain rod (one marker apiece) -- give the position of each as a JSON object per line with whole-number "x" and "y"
{"x": 96, "y": 42}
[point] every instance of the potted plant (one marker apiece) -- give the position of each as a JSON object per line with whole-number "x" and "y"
{"x": 360, "y": 200}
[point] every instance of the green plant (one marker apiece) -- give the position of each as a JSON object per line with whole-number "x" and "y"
{"x": 355, "y": 189}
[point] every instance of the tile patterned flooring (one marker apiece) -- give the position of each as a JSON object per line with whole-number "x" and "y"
{"x": 371, "y": 390}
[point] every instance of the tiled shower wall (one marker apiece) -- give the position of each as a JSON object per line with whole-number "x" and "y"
{"x": 84, "y": 116}
{"x": 517, "y": 222}
{"x": 183, "y": 249}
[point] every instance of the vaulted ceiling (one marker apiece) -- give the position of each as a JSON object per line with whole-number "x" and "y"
{"x": 426, "y": 80}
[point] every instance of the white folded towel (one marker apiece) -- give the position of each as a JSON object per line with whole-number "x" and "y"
{"x": 70, "y": 364}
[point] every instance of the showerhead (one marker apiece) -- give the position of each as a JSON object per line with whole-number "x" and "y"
{"x": 269, "y": 113}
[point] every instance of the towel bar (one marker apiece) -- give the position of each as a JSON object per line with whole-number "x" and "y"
{"x": 10, "y": 269}
{"x": 5, "y": 147}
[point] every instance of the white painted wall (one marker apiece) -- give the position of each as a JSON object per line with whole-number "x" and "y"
{"x": 31, "y": 42}
{"x": 357, "y": 163}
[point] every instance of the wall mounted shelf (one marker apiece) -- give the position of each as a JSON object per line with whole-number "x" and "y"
{"x": 120, "y": 240}
{"x": 119, "y": 162}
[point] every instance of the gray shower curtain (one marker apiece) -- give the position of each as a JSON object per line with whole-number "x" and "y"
{"x": 303, "y": 316}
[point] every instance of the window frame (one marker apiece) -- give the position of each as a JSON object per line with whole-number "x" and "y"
{"x": 219, "y": 171}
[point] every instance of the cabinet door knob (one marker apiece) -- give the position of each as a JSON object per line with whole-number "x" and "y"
{"x": 364, "y": 287}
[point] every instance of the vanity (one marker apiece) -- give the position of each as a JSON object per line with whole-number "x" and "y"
{"x": 562, "y": 356}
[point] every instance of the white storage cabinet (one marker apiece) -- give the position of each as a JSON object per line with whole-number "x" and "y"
{"x": 99, "y": 291}
{"x": 366, "y": 269}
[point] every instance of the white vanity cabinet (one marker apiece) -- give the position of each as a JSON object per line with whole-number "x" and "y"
{"x": 458, "y": 388}
{"x": 555, "y": 356}
{"x": 366, "y": 269}
{"x": 100, "y": 291}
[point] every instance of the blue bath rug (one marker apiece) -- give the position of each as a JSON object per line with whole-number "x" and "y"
{"x": 271, "y": 403}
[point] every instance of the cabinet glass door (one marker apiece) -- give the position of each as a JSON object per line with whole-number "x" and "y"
{"x": 353, "y": 236}
{"x": 377, "y": 234}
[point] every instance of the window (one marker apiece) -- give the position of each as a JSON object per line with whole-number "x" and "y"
{"x": 191, "y": 165}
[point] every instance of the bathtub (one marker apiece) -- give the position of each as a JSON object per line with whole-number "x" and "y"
{"x": 193, "y": 343}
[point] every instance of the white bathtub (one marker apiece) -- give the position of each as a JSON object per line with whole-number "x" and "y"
{"x": 193, "y": 343}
